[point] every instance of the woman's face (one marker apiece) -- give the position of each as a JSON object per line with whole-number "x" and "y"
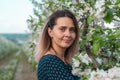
{"x": 63, "y": 33}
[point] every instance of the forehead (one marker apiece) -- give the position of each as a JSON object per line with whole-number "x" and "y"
{"x": 65, "y": 21}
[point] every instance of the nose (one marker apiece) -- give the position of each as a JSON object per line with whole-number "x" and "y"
{"x": 67, "y": 33}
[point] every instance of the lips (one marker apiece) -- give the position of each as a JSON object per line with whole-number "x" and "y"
{"x": 67, "y": 40}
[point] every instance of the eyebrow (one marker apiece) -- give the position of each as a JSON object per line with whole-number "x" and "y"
{"x": 66, "y": 26}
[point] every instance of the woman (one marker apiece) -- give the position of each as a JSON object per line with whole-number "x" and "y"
{"x": 56, "y": 47}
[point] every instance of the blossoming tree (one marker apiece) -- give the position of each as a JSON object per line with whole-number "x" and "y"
{"x": 99, "y": 46}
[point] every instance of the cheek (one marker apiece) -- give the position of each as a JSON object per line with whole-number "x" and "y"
{"x": 74, "y": 36}
{"x": 58, "y": 35}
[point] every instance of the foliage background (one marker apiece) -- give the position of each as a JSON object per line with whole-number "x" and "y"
{"x": 97, "y": 40}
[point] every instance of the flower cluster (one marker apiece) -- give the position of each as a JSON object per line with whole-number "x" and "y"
{"x": 79, "y": 63}
{"x": 111, "y": 74}
{"x": 79, "y": 69}
{"x": 100, "y": 9}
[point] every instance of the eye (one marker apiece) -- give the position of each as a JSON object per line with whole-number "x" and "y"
{"x": 72, "y": 29}
{"x": 62, "y": 29}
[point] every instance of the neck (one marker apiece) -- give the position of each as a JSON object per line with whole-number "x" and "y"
{"x": 59, "y": 52}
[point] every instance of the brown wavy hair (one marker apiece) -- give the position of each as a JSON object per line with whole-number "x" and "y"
{"x": 44, "y": 42}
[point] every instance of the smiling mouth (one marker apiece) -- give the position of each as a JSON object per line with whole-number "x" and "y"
{"x": 67, "y": 41}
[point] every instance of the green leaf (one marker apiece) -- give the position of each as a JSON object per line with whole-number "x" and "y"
{"x": 118, "y": 32}
{"x": 108, "y": 3}
{"x": 90, "y": 18}
{"x": 95, "y": 47}
{"x": 50, "y": 3}
{"x": 118, "y": 44}
{"x": 118, "y": 1}
{"x": 82, "y": 43}
{"x": 78, "y": 4}
{"x": 111, "y": 37}
{"x": 76, "y": 57}
{"x": 92, "y": 2}
{"x": 96, "y": 38}
{"x": 118, "y": 13}
{"x": 109, "y": 15}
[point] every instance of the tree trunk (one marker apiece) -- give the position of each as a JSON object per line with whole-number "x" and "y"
{"x": 87, "y": 47}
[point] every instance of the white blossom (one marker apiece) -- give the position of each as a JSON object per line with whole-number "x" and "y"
{"x": 92, "y": 11}
{"x": 82, "y": 1}
{"x": 80, "y": 12}
{"x": 84, "y": 58}
{"x": 76, "y": 71}
{"x": 99, "y": 3}
{"x": 119, "y": 5}
{"x": 76, "y": 62}
{"x": 99, "y": 14}
{"x": 115, "y": 72}
{"x": 99, "y": 60}
{"x": 35, "y": 21}
{"x": 111, "y": 6}
{"x": 74, "y": 2}
{"x": 87, "y": 7}
{"x": 111, "y": 74}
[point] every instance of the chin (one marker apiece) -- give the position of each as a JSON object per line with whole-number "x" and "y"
{"x": 66, "y": 46}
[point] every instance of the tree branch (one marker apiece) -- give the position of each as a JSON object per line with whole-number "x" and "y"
{"x": 90, "y": 54}
{"x": 85, "y": 27}
{"x": 87, "y": 47}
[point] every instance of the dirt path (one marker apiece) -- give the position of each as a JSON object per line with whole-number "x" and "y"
{"x": 24, "y": 70}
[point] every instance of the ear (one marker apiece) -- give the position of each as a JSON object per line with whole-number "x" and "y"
{"x": 50, "y": 32}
